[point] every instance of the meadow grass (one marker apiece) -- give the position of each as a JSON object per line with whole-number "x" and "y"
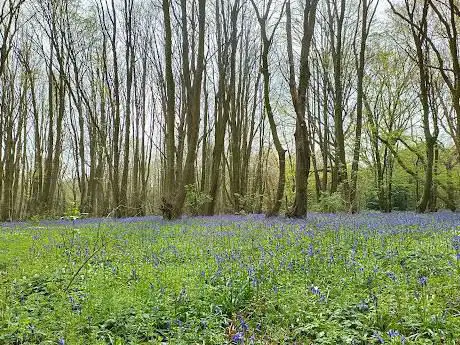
{"x": 326, "y": 279}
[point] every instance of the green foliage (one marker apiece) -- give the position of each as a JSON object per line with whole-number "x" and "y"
{"x": 249, "y": 202}
{"x": 72, "y": 211}
{"x": 331, "y": 203}
{"x": 372, "y": 200}
{"x": 35, "y": 219}
{"x": 326, "y": 279}
{"x": 196, "y": 200}
{"x": 400, "y": 198}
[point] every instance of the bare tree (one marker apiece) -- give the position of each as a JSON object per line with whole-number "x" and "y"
{"x": 169, "y": 115}
{"x": 267, "y": 40}
{"x": 193, "y": 99}
{"x": 368, "y": 9}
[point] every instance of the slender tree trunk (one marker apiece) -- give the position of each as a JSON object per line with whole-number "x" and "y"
{"x": 204, "y": 147}
{"x": 169, "y": 116}
{"x": 337, "y": 57}
{"x": 359, "y": 106}
{"x": 266, "y": 45}
{"x": 129, "y": 62}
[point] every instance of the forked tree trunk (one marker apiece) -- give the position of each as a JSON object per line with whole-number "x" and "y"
{"x": 266, "y": 44}
{"x": 298, "y": 95}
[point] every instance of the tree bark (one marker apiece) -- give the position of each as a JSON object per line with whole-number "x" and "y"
{"x": 298, "y": 95}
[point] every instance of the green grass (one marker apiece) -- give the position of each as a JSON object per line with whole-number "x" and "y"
{"x": 327, "y": 280}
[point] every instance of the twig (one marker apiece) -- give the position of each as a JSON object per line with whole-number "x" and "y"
{"x": 83, "y": 265}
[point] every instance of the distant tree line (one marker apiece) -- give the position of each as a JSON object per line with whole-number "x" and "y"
{"x": 132, "y": 107}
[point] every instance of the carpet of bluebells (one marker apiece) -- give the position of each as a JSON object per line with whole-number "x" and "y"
{"x": 327, "y": 279}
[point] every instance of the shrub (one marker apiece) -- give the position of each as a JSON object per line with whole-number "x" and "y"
{"x": 331, "y": 203}
{"x": 400, "y": 198}
{"x": 196, "y": 200}
{"x": 372, "y": 200}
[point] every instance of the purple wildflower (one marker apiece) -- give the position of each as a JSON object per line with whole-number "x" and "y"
{"x": 315, "y": 290}
{"x": 363, "y": 307}
{"x": 391, "y": 275}
{"x": 244, "y": 326}
{"x": 456, "y": 243}
{"x": 422, "y": 280}
{"x": 379, "y": 338}
{"x": 392, "y": 333}
{"x": 203, "y": 323}
{"x": 238, "y": 338}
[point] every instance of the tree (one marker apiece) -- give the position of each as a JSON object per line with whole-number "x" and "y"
{"x": 267, "y": 40}
{"x": 227, "y": 43}
{"x": 169, "y": 115}
{"x": 368, "y": 9}
{"x": 417, "y": 18}
{"x": 298, "y": 96}
{"x": 193, "y": 99}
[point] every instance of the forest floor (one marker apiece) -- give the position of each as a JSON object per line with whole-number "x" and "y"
{"x": 327, "y": 279}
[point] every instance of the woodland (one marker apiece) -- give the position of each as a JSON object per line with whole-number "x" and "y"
{"x": 229, "y": 172}
{"x": 134, "y": 107}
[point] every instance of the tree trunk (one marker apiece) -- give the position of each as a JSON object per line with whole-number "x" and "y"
{"x": 193, "y": 104}
{"x": 266, "y": 45}
{"x": 222, "y": 98}
{"x": 359, "y": 105}
{"x": 298, "y": 96}
{"x": 169, "y": 182}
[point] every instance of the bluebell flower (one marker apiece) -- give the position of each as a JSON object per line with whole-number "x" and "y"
{"x": 315, "y": 290}
{"x": 392, "y": 333}
{"x": 379, "y": 338}
{"x": 244, "y": 326}
{"x": 422, "y": 280}
{"x": 456, "y": 243}
{"x": 61, "y": 341}
{"x": 238, "y": 338}
{"x": 391, "y": 275}
{"x": 204, "y": 323}
{"x": 363, "y": 306}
